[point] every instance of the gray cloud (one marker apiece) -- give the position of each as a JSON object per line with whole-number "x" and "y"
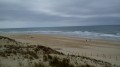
{"x": 34, "y": 13}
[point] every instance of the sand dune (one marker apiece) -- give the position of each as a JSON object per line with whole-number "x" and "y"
{"x": 108, "y": 51}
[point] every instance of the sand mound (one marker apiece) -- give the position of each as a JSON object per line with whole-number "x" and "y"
{"x": 17, "y": 54}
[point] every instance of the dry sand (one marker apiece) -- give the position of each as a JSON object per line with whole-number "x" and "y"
{"x": 99, "y": 49}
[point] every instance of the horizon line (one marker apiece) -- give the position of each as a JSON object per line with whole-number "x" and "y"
{"x": 56, "y": 26}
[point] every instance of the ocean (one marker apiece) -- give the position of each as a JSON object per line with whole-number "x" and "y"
{"x": 108, "y": 32}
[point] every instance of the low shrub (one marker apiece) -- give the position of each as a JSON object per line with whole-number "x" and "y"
{"x": 56, "y": 62}
{"x": 40, "y": 64}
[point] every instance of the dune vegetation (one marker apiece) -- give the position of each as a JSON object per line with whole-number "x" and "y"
{"x": 18, "y": 54}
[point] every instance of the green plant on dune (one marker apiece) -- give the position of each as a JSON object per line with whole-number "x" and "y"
{"x": 56, "y": 62}
{"x": 45, "y": 57}
{"x": 33, "y": 54}
{"x": 40, "y": 64}
{"x": 87, "y": 65}
{"x": 49, "y": 57}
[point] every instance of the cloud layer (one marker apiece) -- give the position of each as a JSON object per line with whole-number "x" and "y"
{"x": 43, "y": 13}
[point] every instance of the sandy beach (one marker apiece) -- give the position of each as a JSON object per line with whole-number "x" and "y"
{"x": 59, "y": 33}
{"x": 99, "y": 49}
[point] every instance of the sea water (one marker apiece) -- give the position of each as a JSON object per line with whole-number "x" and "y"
{"x": 108, "y": 32}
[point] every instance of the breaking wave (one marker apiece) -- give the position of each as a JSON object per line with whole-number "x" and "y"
{"x": 83, "y": 34}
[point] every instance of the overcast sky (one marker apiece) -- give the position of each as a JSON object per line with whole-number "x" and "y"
{"x": 47, "y": 13}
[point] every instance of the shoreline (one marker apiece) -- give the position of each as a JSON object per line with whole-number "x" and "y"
{"x": 60, "y": 35}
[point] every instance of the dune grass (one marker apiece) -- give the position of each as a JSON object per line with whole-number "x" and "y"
{"x": 42, "y": 56}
